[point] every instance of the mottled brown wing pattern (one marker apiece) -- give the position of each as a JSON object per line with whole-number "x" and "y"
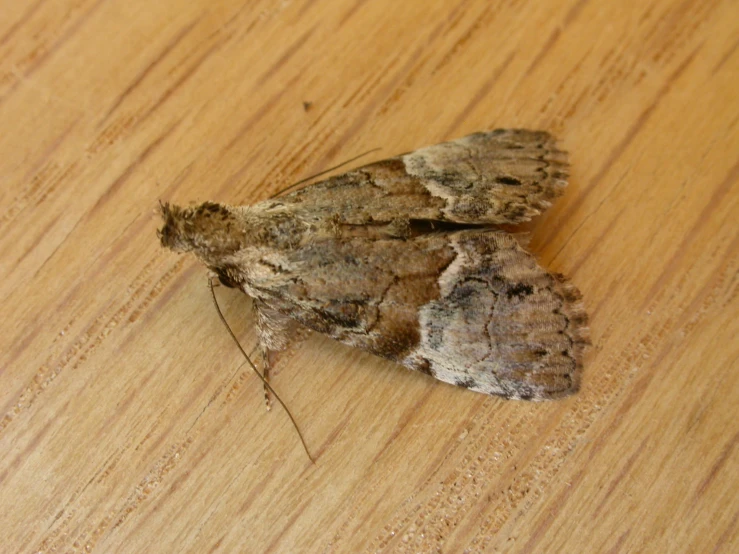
{"x": 471, "y": 308}
{"x": 365, "y": 292}
{"x": 502, "y": 324}
{"x": 505, "y": 176}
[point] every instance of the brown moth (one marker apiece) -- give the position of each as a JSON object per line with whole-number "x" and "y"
{"x": 405, "y": 258}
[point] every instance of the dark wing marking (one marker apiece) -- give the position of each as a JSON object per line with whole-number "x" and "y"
{"x": 497, "y": 177}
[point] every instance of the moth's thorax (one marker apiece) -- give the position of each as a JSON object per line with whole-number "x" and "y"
{"x": 229, "y": 237}
{"x": 209, "y": 230}
{"x": 216, "y": 231}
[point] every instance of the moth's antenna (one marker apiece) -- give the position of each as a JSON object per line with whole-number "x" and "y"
{"x": 248, "y": 359}
{"x": 279, "y": 192}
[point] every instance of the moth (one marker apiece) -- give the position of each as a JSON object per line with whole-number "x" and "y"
{"x": 407, "y": 258}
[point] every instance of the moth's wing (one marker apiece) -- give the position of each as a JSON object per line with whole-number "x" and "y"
{"x": 520, "y": 330}
{"x": 471, "y": 308}
{"x": 498, "y": 177}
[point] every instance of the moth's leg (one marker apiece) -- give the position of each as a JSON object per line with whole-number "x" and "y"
{"x": 266, "y": 365}
{"x": 276, "y": 333}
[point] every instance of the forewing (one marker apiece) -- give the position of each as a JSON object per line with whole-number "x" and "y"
{"x": 471, "y": 308}
{"x": 498, "y": 177}
{"x": 365, "y": 292}
{"x": 502, "y": 324}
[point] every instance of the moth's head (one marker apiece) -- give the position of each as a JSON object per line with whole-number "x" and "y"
{"x": 209, "y": 230}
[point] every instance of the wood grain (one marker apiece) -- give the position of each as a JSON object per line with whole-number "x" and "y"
{"x": 129, "y": 422}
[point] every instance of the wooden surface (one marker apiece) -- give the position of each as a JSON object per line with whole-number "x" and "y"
{"x": 130, "y": 422}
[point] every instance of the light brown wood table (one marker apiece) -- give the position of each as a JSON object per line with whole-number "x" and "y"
{"x": 129, "y": 421}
